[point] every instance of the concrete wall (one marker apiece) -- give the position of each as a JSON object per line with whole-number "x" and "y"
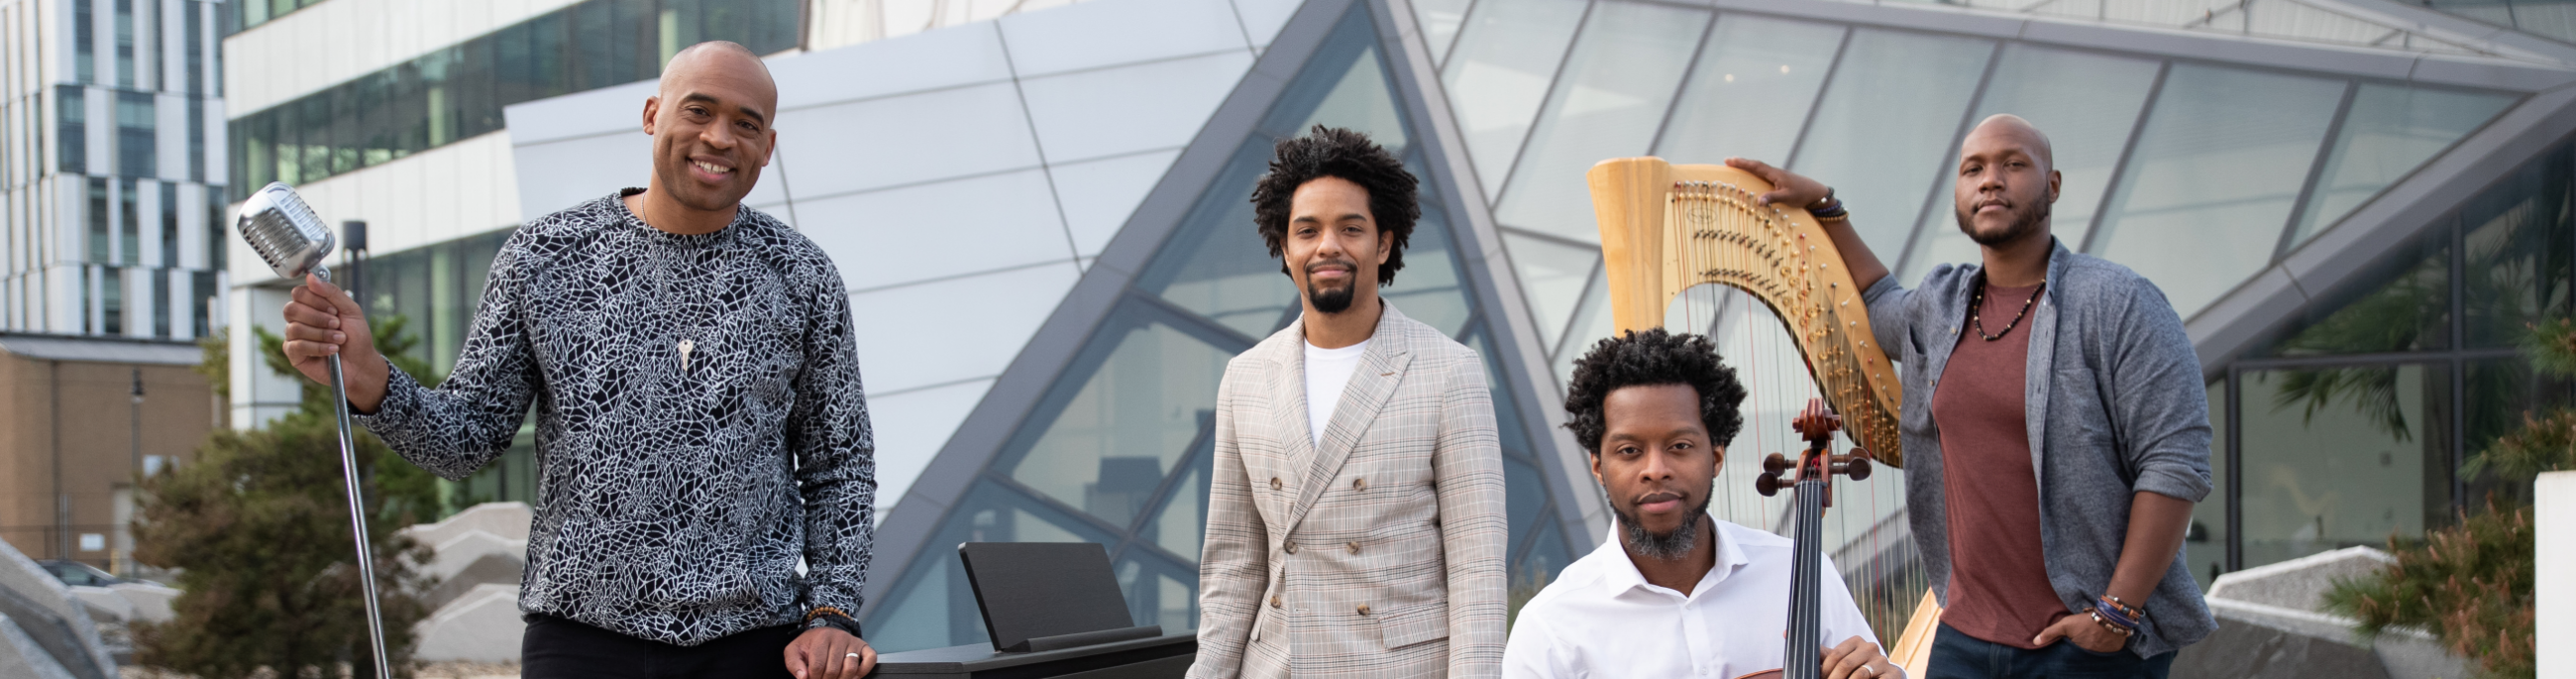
{"x": 96, "y": 420}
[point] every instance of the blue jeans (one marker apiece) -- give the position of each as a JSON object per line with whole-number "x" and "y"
{"x": 1955, "y": 655}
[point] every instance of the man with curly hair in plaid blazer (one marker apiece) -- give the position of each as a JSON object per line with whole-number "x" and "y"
{"x": 1355, "y": 519}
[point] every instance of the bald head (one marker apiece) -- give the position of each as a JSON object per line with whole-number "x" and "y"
{"x": 2007, "y": 181}
{"x": 724, "y": 60}
{"x": 710, "y": 122}
{"x": 2012, "y": 130}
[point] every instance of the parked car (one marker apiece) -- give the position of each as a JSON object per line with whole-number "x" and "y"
{"x": 79, "y": 574}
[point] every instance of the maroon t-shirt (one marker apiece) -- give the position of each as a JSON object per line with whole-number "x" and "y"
{"x": 1999, "y": 589}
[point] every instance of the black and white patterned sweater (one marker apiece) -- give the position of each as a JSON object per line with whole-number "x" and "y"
{"x": 699, "y": 421}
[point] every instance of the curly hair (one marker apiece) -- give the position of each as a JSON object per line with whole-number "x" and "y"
{"x": 1650, "y": 358}
{"x": 1349, "y": 155}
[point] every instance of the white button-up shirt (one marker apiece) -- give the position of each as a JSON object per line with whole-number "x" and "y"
{"x": 1602, "y": 619}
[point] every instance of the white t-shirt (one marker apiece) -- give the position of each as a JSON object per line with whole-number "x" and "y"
{"x": 1328, "y": 371}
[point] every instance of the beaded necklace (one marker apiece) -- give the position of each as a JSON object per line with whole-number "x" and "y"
{"x": 1977, "y": 306}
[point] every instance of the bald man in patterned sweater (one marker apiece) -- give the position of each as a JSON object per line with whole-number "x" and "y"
{"x": 698, "y": 408}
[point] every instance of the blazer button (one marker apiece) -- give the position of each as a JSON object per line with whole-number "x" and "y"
{"x": 1274, "y": 601}
{"x": 1275, "y": 484}
{"x": 1359, "y": 484}
{"x": 1355, "y": 547}
{"x": 1363, "y": 609}
{"x": 1292, "y": 546}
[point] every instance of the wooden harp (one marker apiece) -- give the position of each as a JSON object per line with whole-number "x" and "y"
{"x": 1667, "y": 228}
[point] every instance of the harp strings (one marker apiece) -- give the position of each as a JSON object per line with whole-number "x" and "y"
{"x": 1718, "y": 235}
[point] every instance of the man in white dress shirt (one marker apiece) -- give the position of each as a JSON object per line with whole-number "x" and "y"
{"x": 1679, "y": 594}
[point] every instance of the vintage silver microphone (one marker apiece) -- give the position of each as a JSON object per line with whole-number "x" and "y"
{"x": 293, "y": 241}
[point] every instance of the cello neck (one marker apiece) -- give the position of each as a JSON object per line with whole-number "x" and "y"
{"x": 1805, "y": 631}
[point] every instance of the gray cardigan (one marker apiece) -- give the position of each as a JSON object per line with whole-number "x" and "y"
{"x": 2116, "y": 405}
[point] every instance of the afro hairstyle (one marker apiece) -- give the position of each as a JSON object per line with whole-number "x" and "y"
{"x": 1349, "y": 155}
{"x": 1653, "y": 357}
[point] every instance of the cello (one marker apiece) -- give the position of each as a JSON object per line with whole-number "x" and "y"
{"x": 1810, "y": 479}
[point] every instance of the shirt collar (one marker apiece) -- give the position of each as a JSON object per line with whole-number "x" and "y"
{"x": 1622, "y": 575}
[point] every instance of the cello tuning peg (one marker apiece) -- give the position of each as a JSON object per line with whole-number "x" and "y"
{"x": 1775, "y": 464}
{"x": 1768, "y": 484}
{"x": 1854, "y": 466}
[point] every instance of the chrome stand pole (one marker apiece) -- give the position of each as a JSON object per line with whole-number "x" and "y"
{"x": 357, "y": 510}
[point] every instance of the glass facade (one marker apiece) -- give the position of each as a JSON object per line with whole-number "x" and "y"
{"x": 2193, "y": 172}
{"x": 2151, "y": 149}
{"x": 459, "y": 91}
{"x": 2555, "y": 19}
{"x": 1118, "y": 450}
{"x": 2354, "y": 423}
{"x": 107, "y": 185}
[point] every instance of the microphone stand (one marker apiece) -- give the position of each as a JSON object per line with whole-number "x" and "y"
{"x": 357, "y": 508}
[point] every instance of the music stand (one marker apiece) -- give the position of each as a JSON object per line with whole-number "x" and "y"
{"x": 1043, "y": 596}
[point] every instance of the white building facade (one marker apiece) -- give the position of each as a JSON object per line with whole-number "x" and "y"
{"x": 111, "y": 167}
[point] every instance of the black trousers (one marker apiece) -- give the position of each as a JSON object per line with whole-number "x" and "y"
{"x": 1955, "y": 655}
{"x": 556, "y": 648}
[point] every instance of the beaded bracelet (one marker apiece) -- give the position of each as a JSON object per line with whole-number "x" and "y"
{"x": 1832, "y": 209}
{"x": 823, "y": 611}
{"x": 2106, "y": 624}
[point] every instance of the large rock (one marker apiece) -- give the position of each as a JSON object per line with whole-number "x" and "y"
{"x": 2271, "y": 625}
{"x": 47, "y": 626}
{"x": 477, "y": 558}
{"x": 481, "y": 626}
{"x": 2299, "y": 584}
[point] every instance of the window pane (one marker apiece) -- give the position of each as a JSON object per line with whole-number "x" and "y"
{"x": 2343, "y": 457}
{"x": 1105, "y": 446}
{"x": 1216, "y": 263}
{"x": 1440, "y": 20}
{"x": 2502, "y": 394}
{"x": 1429, "y": 288}
{"x": 2518, "y": 247}
{"x": 1610, "y": 98}
{"x": 1553, "y": 276}
{"x": 2212, "y": 180}
{"x": 1889, "y": 118}
{"x": 1750, "y": 92}
{"x": 1181, "y": 524}
{"x": 2086, "y": 103}
{"x": 1498, "y": 75}
{"x": 2390, "y": 131}
{"x": 2402, "y": 306}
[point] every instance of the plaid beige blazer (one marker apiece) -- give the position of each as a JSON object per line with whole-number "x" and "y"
{"x": 1380, "y": 555}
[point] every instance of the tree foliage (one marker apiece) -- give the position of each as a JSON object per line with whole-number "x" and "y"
{"x": 2471, "y": 584}
{"x": 258, "y": 525}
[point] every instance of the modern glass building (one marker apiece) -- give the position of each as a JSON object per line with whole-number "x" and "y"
{"x": 2353, "y": 204}
{"x": 110, "y": 192}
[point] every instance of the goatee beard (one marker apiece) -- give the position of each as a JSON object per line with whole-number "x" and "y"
{"x": 1331, "y": 301}
{"x": 1673, "y": 546}
{"x": 2024, "y": 224}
